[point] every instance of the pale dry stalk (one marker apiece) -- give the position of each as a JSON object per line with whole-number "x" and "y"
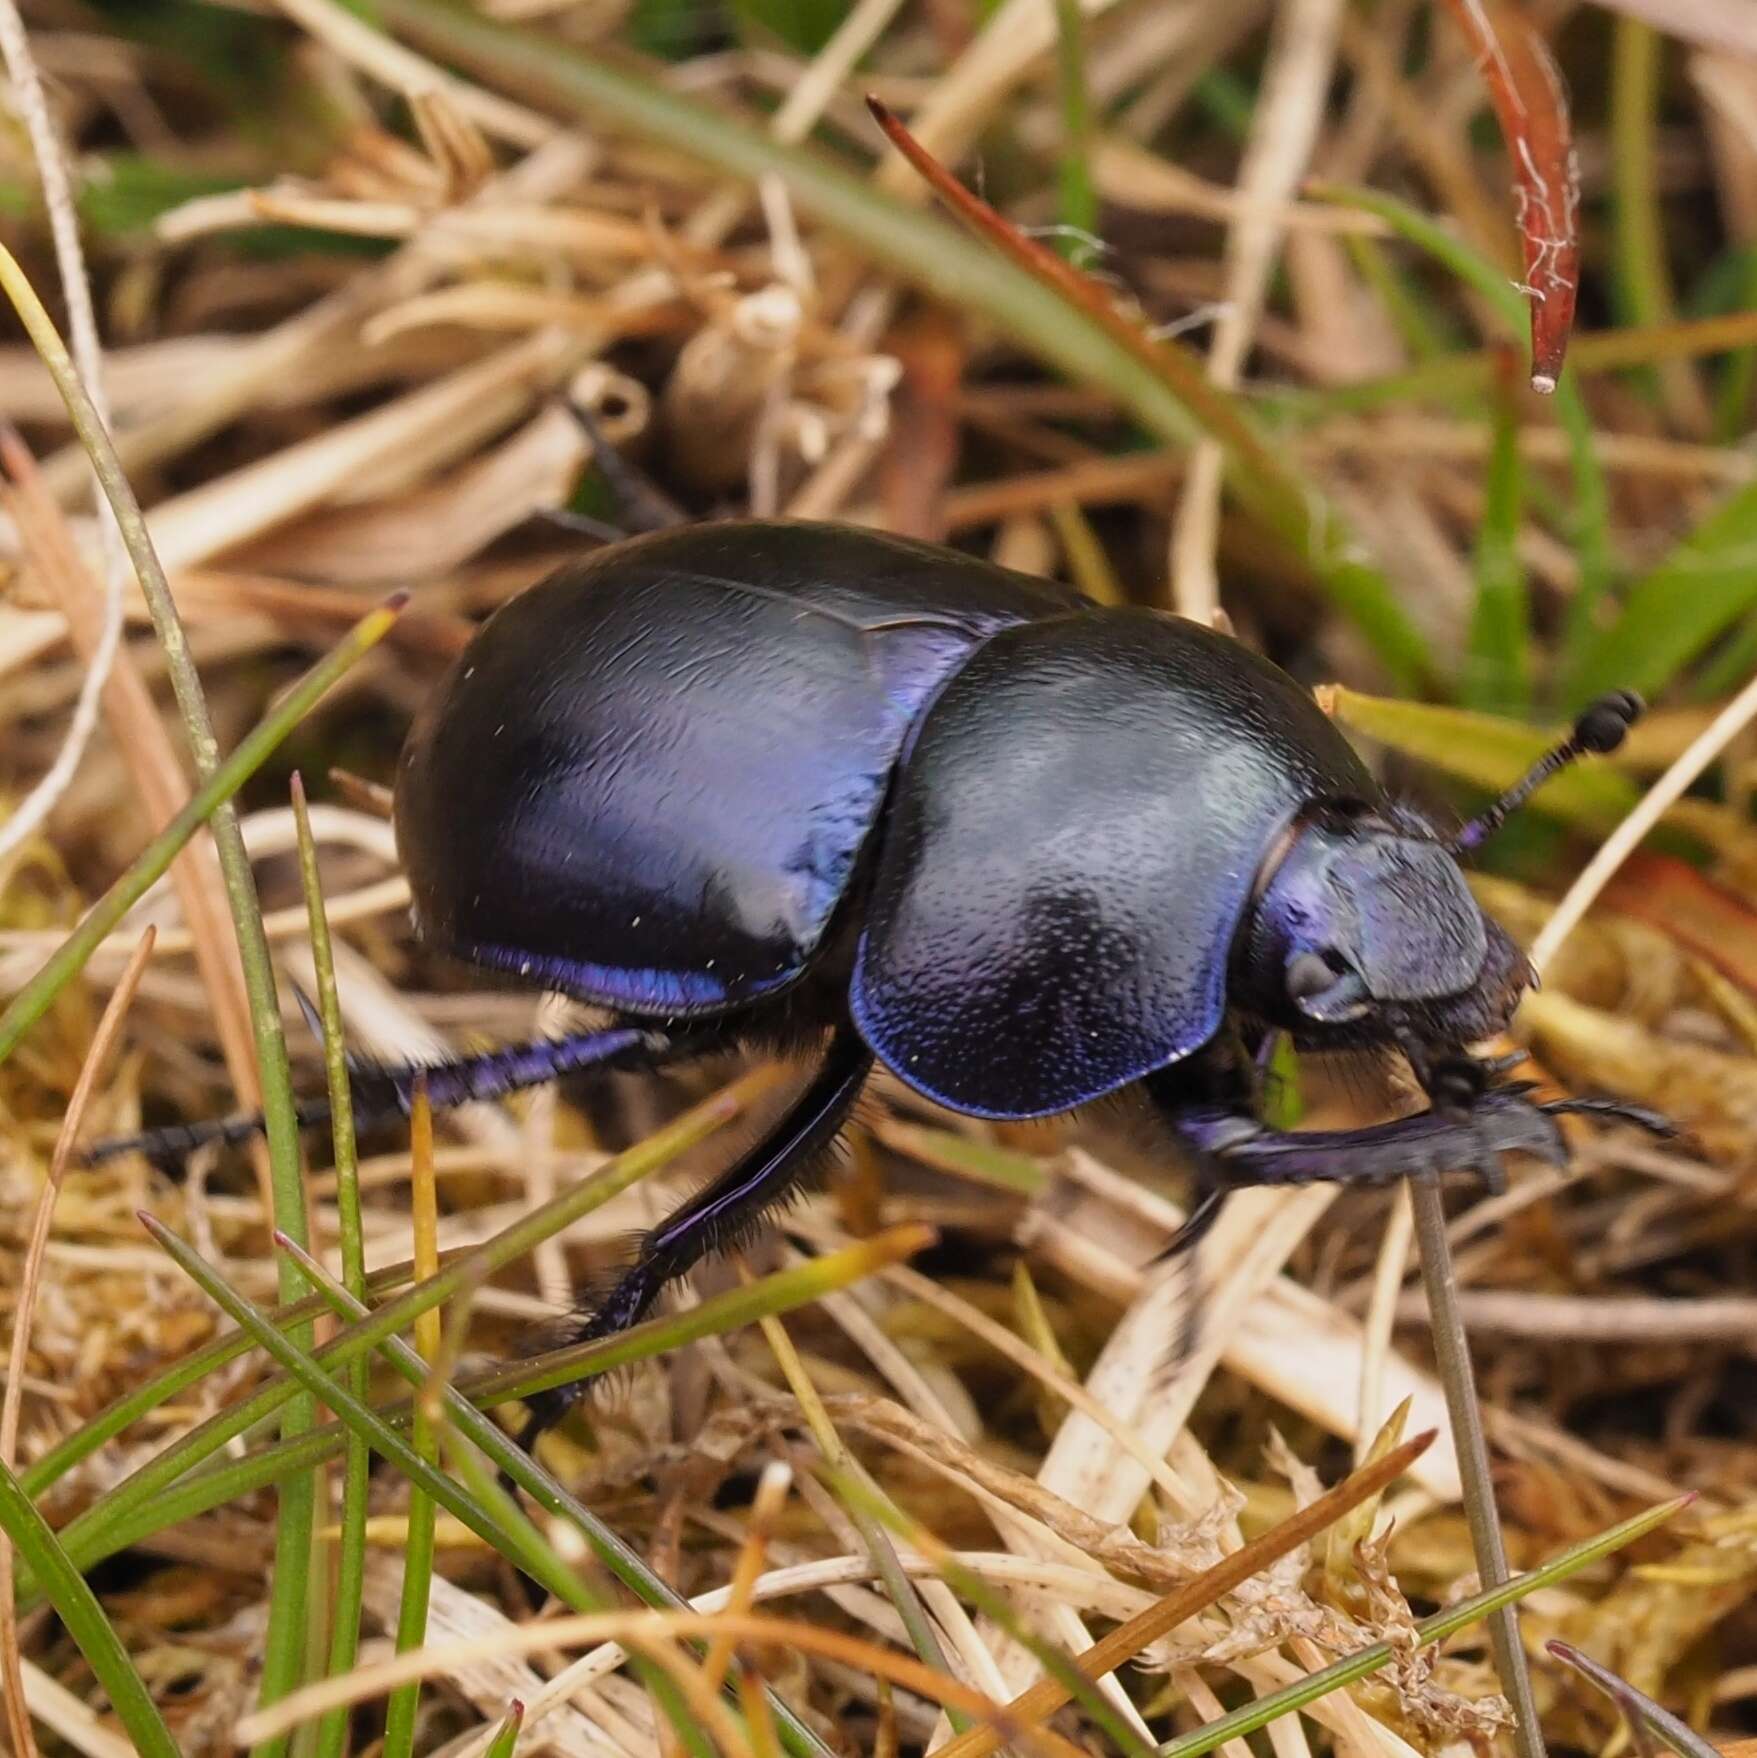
{"x": 1296, "y": 79}
{"x": 27, "y": 90}
{"x": 1628, "y": 836}
{"x": 152, "y": 764}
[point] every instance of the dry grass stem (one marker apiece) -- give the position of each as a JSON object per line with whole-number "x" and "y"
{"x": 350, "y": 265}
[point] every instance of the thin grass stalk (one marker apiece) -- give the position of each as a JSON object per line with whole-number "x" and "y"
{"x": 1079, "y": 201}
{"x": 1592, "y": 498}
{"x": 88, "y": 1528}
{"x": 191, "y": 1370}
{"x": 1424, "y": 329}
{"x": 399, "y": 1714}
{"x": 1166, "y": 389}
{"x": 1035, "y": 1705}
{"x": 903, "y": 1594}
{"x": 761, "y": 1723}
{"x": 1732, "y": 394}
{"x": 1673, "y": 614}
{"x": 537, "y": 1482}
{"x": 861, "y": 1492}
{"x": 350, "y": 1575}
{"x": 669, "y": 1694}
{"x": 506, "y": 1736}
{"x": 650, "y": 1629}
{"x": 477, "y": 1439}
{"x": 67, "y": 1590}
{"x": 530, "y": 1475}
{"x": 1643, "y": 283}
{"x": 780, "y": 1292}
{"x": 283, "y": 1656}
{"x": 30, "y": 105}
{"x": 312, "y": 1379}
{"x": 1367, "y": 1661}
{"x": 1638, "y": 1709}
{"x": 1452, "y": 1358}
{"x": 38, "y": 995}
{"x": 1464, "y": 377}
{"x": 1497, "y": 673}
{"x": 765, "y": 1510}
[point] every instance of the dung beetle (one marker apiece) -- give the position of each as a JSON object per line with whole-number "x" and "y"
{"x": 798, "y": 784}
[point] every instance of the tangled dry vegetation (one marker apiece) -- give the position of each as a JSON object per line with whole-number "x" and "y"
{"x": 344, "y": 259}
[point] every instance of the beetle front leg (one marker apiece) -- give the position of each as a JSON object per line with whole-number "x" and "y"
{"x": 1237, "y": 1150}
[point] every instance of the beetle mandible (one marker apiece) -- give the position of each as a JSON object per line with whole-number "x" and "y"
{"x": 775, "y": 782}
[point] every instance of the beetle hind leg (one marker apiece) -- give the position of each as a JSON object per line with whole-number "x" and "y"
{"x": 718, "y": 1215}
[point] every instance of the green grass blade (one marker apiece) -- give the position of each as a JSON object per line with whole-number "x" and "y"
{"x": 424, "y": 1436}
{"x": 492, "y": 1517}
{"x": 1459, "y": 380}
{"x": 77, "y": 1607}
{"x": 283, "y": 1657}
{"x": 1174, "y": 399}
{"x": 344, "y": 1633}
{"x": 1490, "y": 753}
{"x": 1421, "y": 325}
{"x": 348, "y": 1410}
{"x": 781, "y": 1292}
{"x": 1368, "y": 1661}
{"x": 1636, "y": 1707}
{"x": 118, "y": 1504}
{"x": 200, "y": 1492}
{"x": 1730, "y": 666}
{"x": 127, "y": 1410}
{"x": 1592, "y": 501}
{"x": 88, "y": 1543}
{"x": 1672, "y": 615}
{"x": 1732, "y": 396}
{"x": 38, "y": 995}
{"x": 506, "y": 1736}
{"x": 1643, "y": 286}
{"x": 1079, "y": 201}
{"x": 531, "y": 1476}
{"x": 1497, "y": 667}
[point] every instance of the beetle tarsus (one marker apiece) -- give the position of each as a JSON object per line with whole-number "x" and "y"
{"x": 1501, "y": 1121}
{"x": 1614, "y": 1111}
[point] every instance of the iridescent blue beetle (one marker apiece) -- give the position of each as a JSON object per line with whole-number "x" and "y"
{"x": 876, "y": 799}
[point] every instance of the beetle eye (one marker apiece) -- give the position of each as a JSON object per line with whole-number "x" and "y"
{"x": 1311, "y": 973}
{"x": 1325, "y": 987}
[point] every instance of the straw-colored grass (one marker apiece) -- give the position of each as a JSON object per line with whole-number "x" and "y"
{"x": 343, "y": 259}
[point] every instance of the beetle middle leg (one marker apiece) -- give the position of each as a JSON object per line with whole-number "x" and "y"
{"x": 720, "y": 1213}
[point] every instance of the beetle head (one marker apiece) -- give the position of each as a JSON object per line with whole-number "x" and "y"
{"x": 1364, "y": 930}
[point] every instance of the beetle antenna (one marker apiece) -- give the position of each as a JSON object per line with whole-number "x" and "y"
{"x": 380, "y": 1093}
{"x": 1599, "y": 729}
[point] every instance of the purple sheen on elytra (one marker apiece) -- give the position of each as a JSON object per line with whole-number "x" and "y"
{"x": 652, "y": 776}
{"x": 1069, "y": 853}
{"x": 619, "y": 986}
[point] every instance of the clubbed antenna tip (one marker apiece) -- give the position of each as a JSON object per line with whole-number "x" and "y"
{"x": 1602, "y": 727}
